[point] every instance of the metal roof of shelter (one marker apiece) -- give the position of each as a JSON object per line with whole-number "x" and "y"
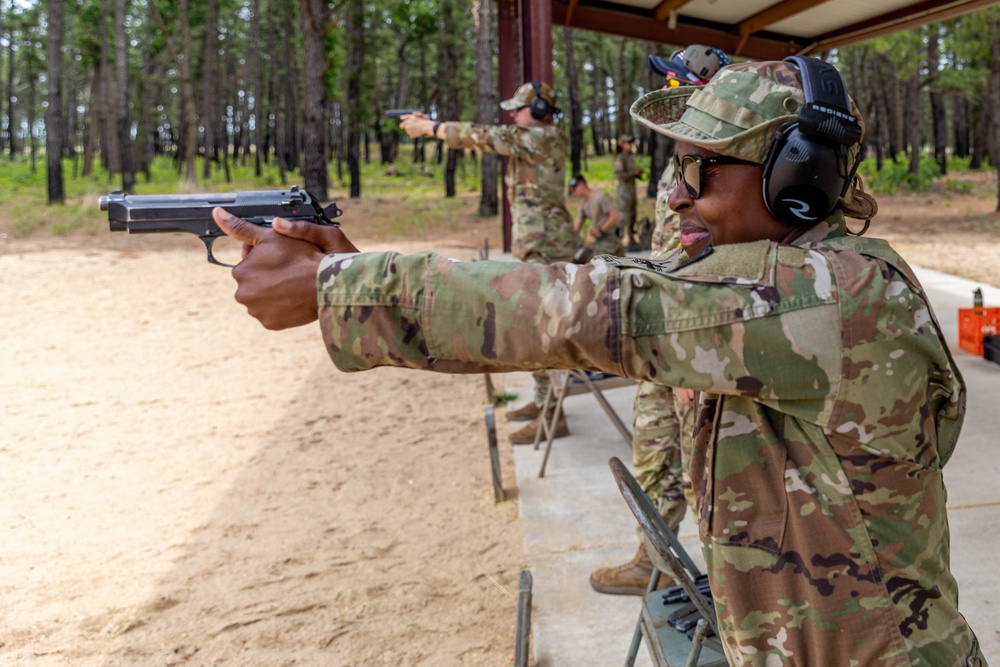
{"x": 759, "y": 29}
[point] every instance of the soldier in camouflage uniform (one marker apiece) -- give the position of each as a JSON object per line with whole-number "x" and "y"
{"x": 605, "y": 231}
{"x": 831, "y": 399}
{"x": 662, "y": 417}
{"x": 662, "y": 426}
{"x": 626, "y": 173}
{"x": 542, "y": 226}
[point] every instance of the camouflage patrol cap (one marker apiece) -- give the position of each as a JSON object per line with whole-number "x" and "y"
{"x": 737, "y": 113}
{"x": 525, "y": 95}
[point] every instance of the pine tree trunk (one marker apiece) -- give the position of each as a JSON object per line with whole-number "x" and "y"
{"x": 1, "y": 63}
{"x": 960, "y": 112}
{"x": 575, "y": 109}
{"x": 912, "y": 122}
{"x": 448, "y": 77}
{"x": 32, "y": 80}
{"x": 596, "y": 110}
{"x": 53, "y": 114}
{"x": 659, "y": 145}
{"x": 90, "y": 126}
{"x": 622, "y": 120}
{"x": 994, "y": 94}
{"x": 314, "y": 15}
{"x": 189, "y": 122}
{"x": 258, "y": 87}
{"x": 144, "y": 145}
{"x": 11, "y": 121}
{"x": 123, "y": 118}
{"x": 939, "y": 129}
{"x": 488, "y": 199}
{"x": 209, "y": 87}
{"x": 355, "y": 54}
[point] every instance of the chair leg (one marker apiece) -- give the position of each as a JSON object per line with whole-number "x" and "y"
{"x": 697, "y": 640}
{"x": 550, "y": 429}
{"x": 542, "y": 425}
{"x": 612, "y": 415}
{"x": 633, "y": 650}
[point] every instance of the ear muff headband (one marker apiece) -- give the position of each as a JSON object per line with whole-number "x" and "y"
{"x": 540, "y": 108}
{"x": 807, "y": 168}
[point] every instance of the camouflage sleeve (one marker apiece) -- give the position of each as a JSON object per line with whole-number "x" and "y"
{"x": 500, "y": 139}
{"x": 425, "y": 311}
{"x": 619, "y": 167}
{"x": 687, "y": 329}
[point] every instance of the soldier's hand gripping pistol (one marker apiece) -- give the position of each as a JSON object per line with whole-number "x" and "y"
{"x": 153, "y": 214}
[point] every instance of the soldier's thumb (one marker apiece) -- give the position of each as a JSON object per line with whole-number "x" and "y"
{"x": 238, "y": 228}
{"x": 328, "y": 238}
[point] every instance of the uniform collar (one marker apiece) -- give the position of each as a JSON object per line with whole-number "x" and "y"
{"x": 833, "y": 227}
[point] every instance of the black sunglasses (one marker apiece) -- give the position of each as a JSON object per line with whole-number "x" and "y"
{"x": 690, "y": 170}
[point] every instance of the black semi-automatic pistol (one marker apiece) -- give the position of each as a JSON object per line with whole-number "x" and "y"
{"x": 399, "y": 113}
{"x": 153, "y": 214}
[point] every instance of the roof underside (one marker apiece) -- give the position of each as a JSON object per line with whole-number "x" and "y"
{"x": 761, "y": 29}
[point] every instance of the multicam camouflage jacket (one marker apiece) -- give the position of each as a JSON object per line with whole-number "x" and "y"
{"x": 625, "y": 170}
{"x": 832, "y": 406}
{"x": 542, "y": 227}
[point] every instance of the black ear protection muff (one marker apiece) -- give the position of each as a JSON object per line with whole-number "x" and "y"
{"x": 540, "y": 108}
{"x": 807, "y": 168}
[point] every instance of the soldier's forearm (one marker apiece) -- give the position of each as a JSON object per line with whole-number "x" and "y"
{"x": 425, "y": 311}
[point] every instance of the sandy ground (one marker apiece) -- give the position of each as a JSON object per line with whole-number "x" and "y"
{"x": 183, "y": 487}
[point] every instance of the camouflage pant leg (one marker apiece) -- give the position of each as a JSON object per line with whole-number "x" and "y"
{"x": 542, "y": 386}
{"x": 656, "y": 451}
{"x": 627, "y": 206}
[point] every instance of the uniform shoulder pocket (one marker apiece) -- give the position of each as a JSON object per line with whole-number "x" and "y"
{"x": 734, "y": 264}
{"x": 750, "y": 264}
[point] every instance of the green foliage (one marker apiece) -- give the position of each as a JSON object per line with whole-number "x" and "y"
{"x": 599, "y": 171}
{"x": 504, "y": 396}
{"x": 957, "y": 186}
{"x": 906, "y": 50}
{"x": 897, "y": 174}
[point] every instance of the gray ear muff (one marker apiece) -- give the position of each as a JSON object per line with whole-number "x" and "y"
{"x": 807, "y": 168}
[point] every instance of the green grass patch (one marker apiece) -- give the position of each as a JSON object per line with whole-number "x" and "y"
{"x": 407, "y": 200}
{"x": 504, "y": 397}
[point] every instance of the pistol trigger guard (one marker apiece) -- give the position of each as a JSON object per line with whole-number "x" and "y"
{"x": 208, "y": 241}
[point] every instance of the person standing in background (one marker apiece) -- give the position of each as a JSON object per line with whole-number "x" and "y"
{"x": 626, "y": 173}
{"x": 542, "y": 226}
{"x": 662, "y": 417}
{"x": 605, "y": 231}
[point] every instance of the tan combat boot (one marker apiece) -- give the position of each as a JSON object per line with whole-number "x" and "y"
{"x": 632, "y": 578}
{"x": 524, "y": 413}
{"x": 526, "y": 434}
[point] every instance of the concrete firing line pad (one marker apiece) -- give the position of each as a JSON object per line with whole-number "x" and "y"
{"x": 574, "y": 519}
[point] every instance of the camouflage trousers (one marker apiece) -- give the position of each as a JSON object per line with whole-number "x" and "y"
{"x": 542, "y": 386}
{"x": 662, "y": 424}
{"x": 627, "y": 205}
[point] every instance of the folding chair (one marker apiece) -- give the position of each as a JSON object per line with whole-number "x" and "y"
{"x": 667, "y": 646}
{"x": 571, "y": 383}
